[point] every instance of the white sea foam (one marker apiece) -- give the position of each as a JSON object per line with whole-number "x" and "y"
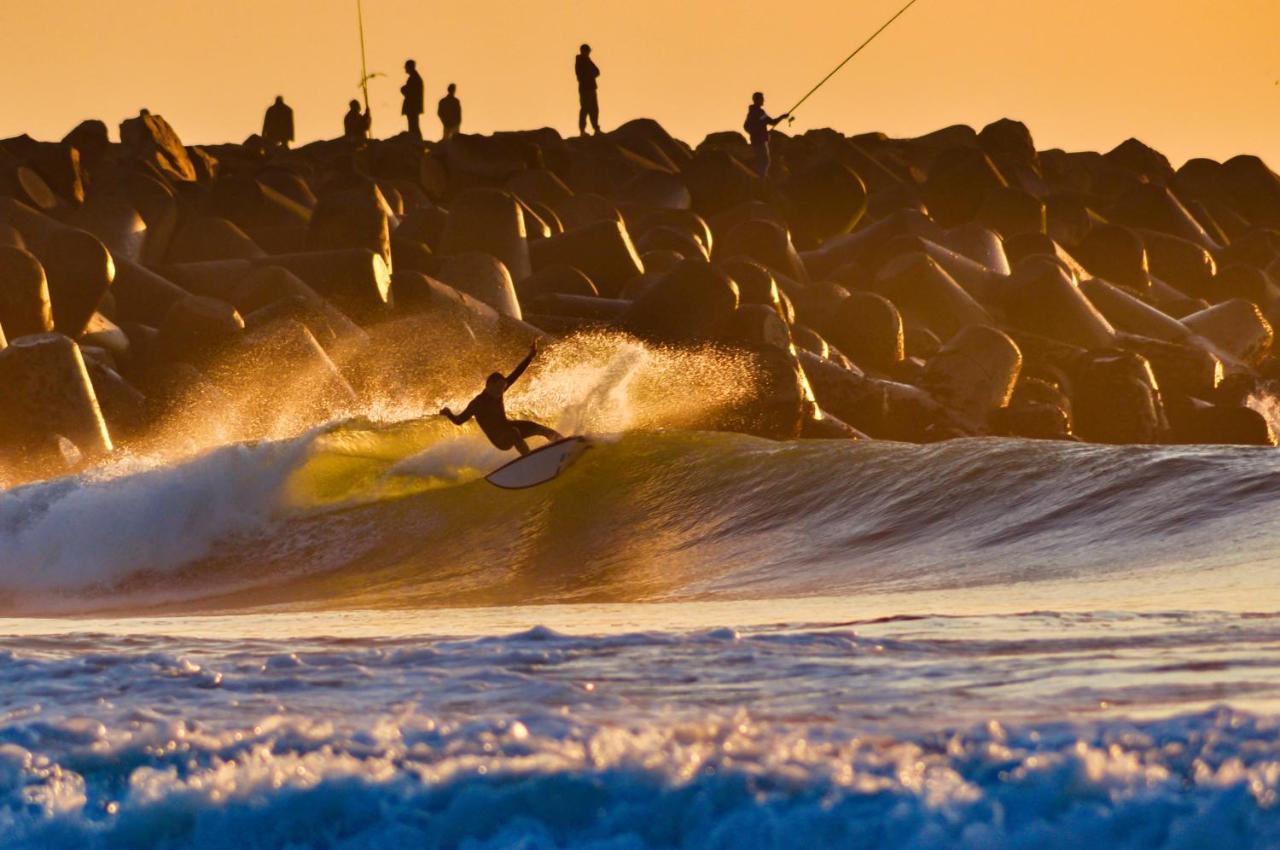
{"x": 715, "y": 739}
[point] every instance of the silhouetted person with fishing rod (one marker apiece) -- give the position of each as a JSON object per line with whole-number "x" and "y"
{"x": 490, "y": 413}
{"x": 277, "y": 124}
{"x": 449, "y": 111}
{"x": 757, "y": 125}
{"x": 355, "y": 124}
{"x": 588, "y": 93}
{"x": 412, "y": 91}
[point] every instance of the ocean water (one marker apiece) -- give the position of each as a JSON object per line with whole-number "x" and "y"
{"x": 347, "y": 639}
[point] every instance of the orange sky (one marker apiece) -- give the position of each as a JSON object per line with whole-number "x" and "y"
{"x": 1190, "y": 77}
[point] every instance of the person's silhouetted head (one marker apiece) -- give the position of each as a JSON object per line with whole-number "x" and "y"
{"x": 758, "y": 98}
{"x": 585, "y": 50}
{"x": 280, "y": 99}
{"x": 453, "y": 88}
{"x": 495, "y": 384}
{"x": 354, "y": 106}
{"x": 410, "y": 65}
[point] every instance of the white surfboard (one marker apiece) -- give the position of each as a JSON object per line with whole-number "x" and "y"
{"x": 540, "y": 466}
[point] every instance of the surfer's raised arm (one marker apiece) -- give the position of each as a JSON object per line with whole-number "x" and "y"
{"x": 524, "y": 364}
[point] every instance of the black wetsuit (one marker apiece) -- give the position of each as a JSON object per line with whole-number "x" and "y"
{"x": 490, "y": 413}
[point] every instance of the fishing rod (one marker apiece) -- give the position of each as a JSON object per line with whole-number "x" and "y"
{"x": 365, "y": 76}
{"x": 848, "y": 59}
{"x": 364, "y": 66}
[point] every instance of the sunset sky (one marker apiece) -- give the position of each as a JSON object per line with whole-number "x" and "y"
{"x": 1189, "y": 77}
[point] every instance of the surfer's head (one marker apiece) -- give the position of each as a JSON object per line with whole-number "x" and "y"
{"x": 495, "y": 384}
{"x": 758, "y": 98}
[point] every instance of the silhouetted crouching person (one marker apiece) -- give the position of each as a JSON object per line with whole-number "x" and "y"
{"x": 450, "y": 112}
{"x": 277, "y": 125}
{"x": 490, "y": 413}
{"x": 757, "y": 126}
{"x": 355, "y": 124}
{"x": 588, "y": 94}
{"x": 412, "y": 91}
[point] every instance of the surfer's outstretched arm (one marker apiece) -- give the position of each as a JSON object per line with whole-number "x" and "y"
{"x": 524, "y": 364}
{"x": 459, "y": 418}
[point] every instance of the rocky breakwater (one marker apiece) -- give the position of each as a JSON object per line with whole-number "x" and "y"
{"x": 962, "y": 283}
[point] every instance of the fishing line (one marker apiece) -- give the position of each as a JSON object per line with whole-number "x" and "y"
{"x": 849, "y": 59}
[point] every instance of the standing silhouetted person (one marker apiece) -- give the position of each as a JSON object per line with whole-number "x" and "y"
{"x": 757, "y": 126}
{"x": 450, "y": 112}
{"x": 588, "y": 96}
{"x": 355, "y": 124}
{"x": 412, "y": 91}
{"x": 277, "y": 125}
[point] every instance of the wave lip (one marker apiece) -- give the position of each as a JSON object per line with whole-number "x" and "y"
{"x": 373, "y": 516}
{"x": 80, "y": 533}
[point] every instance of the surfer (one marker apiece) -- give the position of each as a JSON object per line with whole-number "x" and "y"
{"x": 491, "y": 415}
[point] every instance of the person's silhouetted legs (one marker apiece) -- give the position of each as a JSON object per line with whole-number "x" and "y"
{"x": 589, "y": 111}
{"x": 763, "y": 160}
{"x": 533, "y": 429}
{"x": 525, "y": 429}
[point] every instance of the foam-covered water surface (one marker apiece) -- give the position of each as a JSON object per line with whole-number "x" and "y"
{"x": 1031, "y": 731}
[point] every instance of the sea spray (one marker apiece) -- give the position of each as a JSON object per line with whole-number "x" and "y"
{"x": 607, "y": 383}
{"x": 599, "y": 384}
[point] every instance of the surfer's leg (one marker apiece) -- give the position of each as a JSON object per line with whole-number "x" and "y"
{"x": 522, "y": 446}
{"x": 502, "y": 438}
{"x": 532, "y": 429}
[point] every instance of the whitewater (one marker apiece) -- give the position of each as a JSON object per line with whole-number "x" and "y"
{"x": 340, "y": 636}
